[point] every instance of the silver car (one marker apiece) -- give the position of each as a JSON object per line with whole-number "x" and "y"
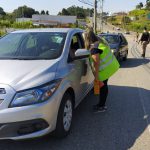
{"x": 44, "y": 75}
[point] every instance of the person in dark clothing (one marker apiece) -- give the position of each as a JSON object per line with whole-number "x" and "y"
{"x": 145, "y": 39}
{"x": 137, "y": 36}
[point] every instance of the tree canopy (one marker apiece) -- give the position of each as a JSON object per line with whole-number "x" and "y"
{"x": 2, "y": 11}
{"x": 80, "y": 12}
{"x": 24, "y": 11}
{"x": 147, "y": 4}
{"x": 139, "y": 6}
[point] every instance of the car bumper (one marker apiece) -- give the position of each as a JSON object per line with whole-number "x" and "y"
{"x": 30, "y": 121}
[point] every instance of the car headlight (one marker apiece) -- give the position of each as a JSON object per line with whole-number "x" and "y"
{"x": 114, "y": 50}
{"x": 36, "y": 95}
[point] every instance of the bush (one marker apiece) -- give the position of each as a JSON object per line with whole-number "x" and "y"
{"x": 5, "y": 23}
{"x": 2, "y": 33}
{"x": 138, "y": 26}
{"x": 22, "y": 25}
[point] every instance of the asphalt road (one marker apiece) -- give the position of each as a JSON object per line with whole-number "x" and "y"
{"x": 126, "y": 124}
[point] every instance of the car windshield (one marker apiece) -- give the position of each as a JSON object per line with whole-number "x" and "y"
{"x": 111, "y": 39}
{"x": 32, "y": 45}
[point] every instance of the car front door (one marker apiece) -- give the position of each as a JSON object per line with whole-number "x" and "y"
{"x": 81, "y": 74}
{"x": 123, "y": 46}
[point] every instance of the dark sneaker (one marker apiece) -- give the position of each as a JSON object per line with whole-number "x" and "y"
{"x": 143, "y": 55}
{"x": 99, "y": 109}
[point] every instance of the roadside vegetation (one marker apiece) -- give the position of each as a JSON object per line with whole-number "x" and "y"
{"x": 8, "y": 20}
{"x": 135, "y": 20}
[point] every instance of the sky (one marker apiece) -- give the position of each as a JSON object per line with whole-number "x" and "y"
{"x": 54, "y": 6}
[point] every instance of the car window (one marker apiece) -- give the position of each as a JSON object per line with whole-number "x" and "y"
{"x": 10, "y": 44}
{"x": 76, "y": 43}
{"x": 124, "y": 39}
{"x": 111, "y": 39}
{"x": 36, "y": 45}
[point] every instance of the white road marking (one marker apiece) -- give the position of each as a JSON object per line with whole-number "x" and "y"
{"x": 146, "y": 117}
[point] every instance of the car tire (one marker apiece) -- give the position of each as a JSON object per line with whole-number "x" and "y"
{"x": 65, "y": 115}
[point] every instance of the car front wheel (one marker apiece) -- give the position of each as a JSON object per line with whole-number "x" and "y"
{"x": 65, "y": 114}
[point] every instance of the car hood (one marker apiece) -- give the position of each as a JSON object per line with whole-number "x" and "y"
{"x": 25, "y": 74}
{"x": 114, "y": 46}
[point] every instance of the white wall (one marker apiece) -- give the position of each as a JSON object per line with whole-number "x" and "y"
{"x": 53, "y": 20}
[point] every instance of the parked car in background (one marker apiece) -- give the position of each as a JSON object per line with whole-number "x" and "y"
{"x": 117, "y": 43}
{"x": 45, "y": 73}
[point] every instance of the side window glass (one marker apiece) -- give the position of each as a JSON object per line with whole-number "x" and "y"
{"x": 74, "y": 45}
{"x": 124, "y": 40}
{"x": 121, "y": 40}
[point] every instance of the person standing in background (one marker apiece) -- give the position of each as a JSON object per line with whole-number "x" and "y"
{"x": 145, "y": 39}
{"x": 137, "y": 36}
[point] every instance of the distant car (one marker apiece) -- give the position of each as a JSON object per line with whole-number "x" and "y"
{"x": 118, "y": 44}
{"x": 45, "y": 73}
{"x": 127, "y": 32}
{"x": 118, "y": 28}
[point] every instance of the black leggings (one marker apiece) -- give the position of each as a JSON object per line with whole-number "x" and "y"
{"x": 103, "y": 94}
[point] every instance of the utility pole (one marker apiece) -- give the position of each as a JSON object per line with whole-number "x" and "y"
{"x": 94, "y": 5}
{"x": 95, "y": 16}
{"x": 101, "y": 15}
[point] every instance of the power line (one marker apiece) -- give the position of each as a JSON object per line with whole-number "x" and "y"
{"x": 94, "y": 5}
{"x": 87, "y": 2}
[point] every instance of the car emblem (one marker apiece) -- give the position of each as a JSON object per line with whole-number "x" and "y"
{"x": 2, "y": 91}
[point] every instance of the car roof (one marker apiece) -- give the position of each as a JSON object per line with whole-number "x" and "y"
{"x": 60, "y": 30}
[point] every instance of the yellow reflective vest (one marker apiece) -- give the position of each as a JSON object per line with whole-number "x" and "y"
{"x": 108, "y": 63}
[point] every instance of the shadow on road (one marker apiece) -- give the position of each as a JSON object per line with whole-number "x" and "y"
{"x": 116, "y": 129}
{"x": 134, "y": 62}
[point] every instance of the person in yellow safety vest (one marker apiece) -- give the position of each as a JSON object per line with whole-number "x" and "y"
{"x": 104, "y": 65}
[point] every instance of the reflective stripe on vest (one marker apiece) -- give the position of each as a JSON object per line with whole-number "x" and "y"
{"x": 106, "y": 57}
{"x": 102, "y": 67}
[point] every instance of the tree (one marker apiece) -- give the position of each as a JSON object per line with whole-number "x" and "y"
{"x": 47, "y": 12}
{"x": 37, "y": 12}
{"x": 10, "y": 17}
{"x": 80, "y": 12}
{"x": 65, "y": 12}
{"x": 2, "y": 13}
{"x": 24, "y": 11}
{"x": 147, "y": 4}
{"x": 139, "y": 6}
{"x": 42, "y": 12}
{"x": 126, "y": 20}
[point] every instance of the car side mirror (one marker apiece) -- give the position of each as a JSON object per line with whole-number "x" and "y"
{"x": 82, "y": 53}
